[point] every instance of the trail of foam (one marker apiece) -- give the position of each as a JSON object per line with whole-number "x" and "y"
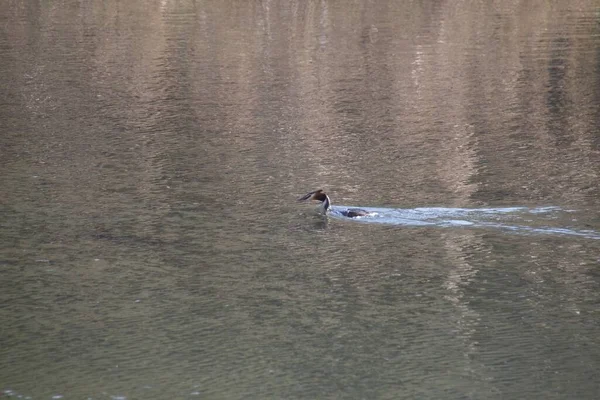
{"x": 520, "y": 218}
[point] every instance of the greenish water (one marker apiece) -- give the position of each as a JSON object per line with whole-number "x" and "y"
{"x": 151, "y": 155}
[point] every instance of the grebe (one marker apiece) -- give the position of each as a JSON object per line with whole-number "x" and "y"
{"x": 325, "y": 206}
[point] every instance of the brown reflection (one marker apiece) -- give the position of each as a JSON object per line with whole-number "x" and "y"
{"x": 466, "y": 319}
{"x": 356, "y": 99}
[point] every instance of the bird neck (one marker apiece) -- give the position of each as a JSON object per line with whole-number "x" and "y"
{"x": 325, "y": 205}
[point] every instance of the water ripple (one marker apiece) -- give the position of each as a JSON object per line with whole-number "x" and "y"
{"x": 520, "y": 218}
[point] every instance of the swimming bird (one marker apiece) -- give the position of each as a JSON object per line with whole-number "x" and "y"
{"x": 325, "y": 205}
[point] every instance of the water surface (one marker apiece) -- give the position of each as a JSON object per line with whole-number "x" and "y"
{"x": 151, "y": 153}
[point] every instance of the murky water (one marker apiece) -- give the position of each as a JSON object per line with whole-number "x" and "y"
{"x": 151, "y": 154}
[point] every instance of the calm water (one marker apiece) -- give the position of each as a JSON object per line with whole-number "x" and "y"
{"x": 151, "y": 153}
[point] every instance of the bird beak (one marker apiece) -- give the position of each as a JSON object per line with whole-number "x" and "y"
{"x": 308, "y": 195}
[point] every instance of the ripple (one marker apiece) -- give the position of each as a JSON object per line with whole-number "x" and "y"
{"x": 520, "y": 218}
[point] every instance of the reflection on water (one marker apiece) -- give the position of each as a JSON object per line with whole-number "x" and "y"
{"x": 151, "y": 245}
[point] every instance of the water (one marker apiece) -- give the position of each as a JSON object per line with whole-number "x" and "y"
{"x": 501, "y": 218}
{"x": 151, "y": 245}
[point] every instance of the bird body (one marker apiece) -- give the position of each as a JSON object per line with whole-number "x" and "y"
{"x": 325, "y": 206}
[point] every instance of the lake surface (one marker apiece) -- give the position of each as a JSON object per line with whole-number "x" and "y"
{"x": 151, "y": 155}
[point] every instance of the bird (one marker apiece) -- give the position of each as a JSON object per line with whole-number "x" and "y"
{"x": 325, "y": 205}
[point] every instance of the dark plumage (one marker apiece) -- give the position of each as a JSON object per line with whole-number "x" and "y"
{"x": 355, "y": 212}
{"x": 321, "y": 196}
